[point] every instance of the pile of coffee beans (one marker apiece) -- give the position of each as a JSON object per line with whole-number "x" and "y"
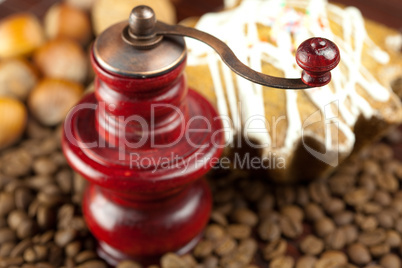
{"x": 351, "y": 219}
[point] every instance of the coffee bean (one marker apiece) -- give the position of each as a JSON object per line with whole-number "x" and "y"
{"x": 189, "y": 260}
{"x": 269, "y": 230}
{"x": 26, "y": 229}
{"x": 5, "y": 180}
{"x": 396, "y": 205}
{"x": 50, "y": 195}
{"x": 295, "y": 213}
{"x": 387, "y": 182}
{"x": 171, "y": 260}
{"x": 340, "y": 184}
{"x": 219, "y": 218}
{"x": 274, "y": 249}
{"x": 7, "y": 235}
{"x": 246, "y": 250}
{"x": 336, "y": 240}
{"x": 16, "y": 163}
{"x": 372, "y": 238}
{"x": 85, "y": 256}
{"x": 210, "y": 262}
{"x": 29, "y": 255}
{"x": 23, "y": 197}
{"x": 382, "y": 198}
{"x": 382, "y": 152}
{"x": 239, "y": 231}
{"x": 27, "y": 265}
{"x": 203, "y": 249}
{"x": 324, "y": 226}
{"x": 78, "y": 224}
{"x": 72, "y": 248}
{"x": 38, "y": 182}
{"x": 3, "y": 222}
{"x": 245, "y": 216}
{"x": 46, "y": 237}
{"x": 6, "y": 248}
{"x": 59, "y": 159}
{"x": 380, "y": 250}
{"x": 55, "y": 254}
{"x": 371, "y": 208}
{"x": 36, "y": 131}
{"x": 351, "y": 233}
{"x": 225, "y": 246}
{"x": 331, "y": 258}
{"x": 334, "y": 205}
{"x": 46, "y": 146}
{"x": 311, "y": 245}
{"x": 306, "y": 261}
{"x": 367, "y": 182}
{"x": 64, "y": 179}
{"x": 19, "y": 249}
{"x": 266, "y": 204}
{"x": 12, "y": 186}
{"x": 129, "y": 264}
{"x": 65, "y": 215}
{"x": 41, "y": 252}
{"x": 285, "y": 195}
{"x": 101, "y": 264}
{"x": 357, "y": 197}
{"x": 313, "y": 212}
{"x": 214, "y": 232}
{"x": 302, "y": 196}
{"x": 290, "y": 228}
{"x": 390, "y": 261}
{"x": 351, "y": 167}
{"x": 282, "y": 262}
{"x": 393, "y": 238}
{"x": 371, "y": 167}
{"x": 46, "y": 217}
{"x": 343, "y": 217}
{"x": 319, "y": 191}
{"x": 8, "y": 262}
{"x": 398, "y": 225}
{"x": 359, "y": 253}
{"x": 385, "y": 219}
{"x": 69, "y": 263}
{"x": 64, "y": 236}
{"x": 225, "y": 208}
{"x": 15, "y": 218}
{"x": 44, "y": 166}
{"x": 6, "y": 203}
{"x": 368, "y": 223}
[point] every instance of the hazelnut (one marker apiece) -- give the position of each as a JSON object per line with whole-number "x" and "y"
{"x": 17, "y": 78}
{"x": 20, "y": 34}
{"x": 62, "y": 58}
{"x": 108, "y": 12}
{"x": 63, "y": 20}
{"x": 51, "y": 100}
{"x": 13, "y": 118}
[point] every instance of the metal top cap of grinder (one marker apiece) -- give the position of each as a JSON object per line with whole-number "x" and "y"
{"x": 133, "y": 49}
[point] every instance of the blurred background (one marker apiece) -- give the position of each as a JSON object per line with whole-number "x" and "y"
{"x": 387, "y": 12}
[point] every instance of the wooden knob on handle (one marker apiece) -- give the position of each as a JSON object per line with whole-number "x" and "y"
{"x": 317, "y": 57}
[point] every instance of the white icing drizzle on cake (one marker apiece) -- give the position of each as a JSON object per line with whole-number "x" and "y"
{"x": 290, "y": 27}
{"x": 394, "y": 42}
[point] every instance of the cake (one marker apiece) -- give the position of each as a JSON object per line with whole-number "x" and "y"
{"x": 301, "y": 134}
